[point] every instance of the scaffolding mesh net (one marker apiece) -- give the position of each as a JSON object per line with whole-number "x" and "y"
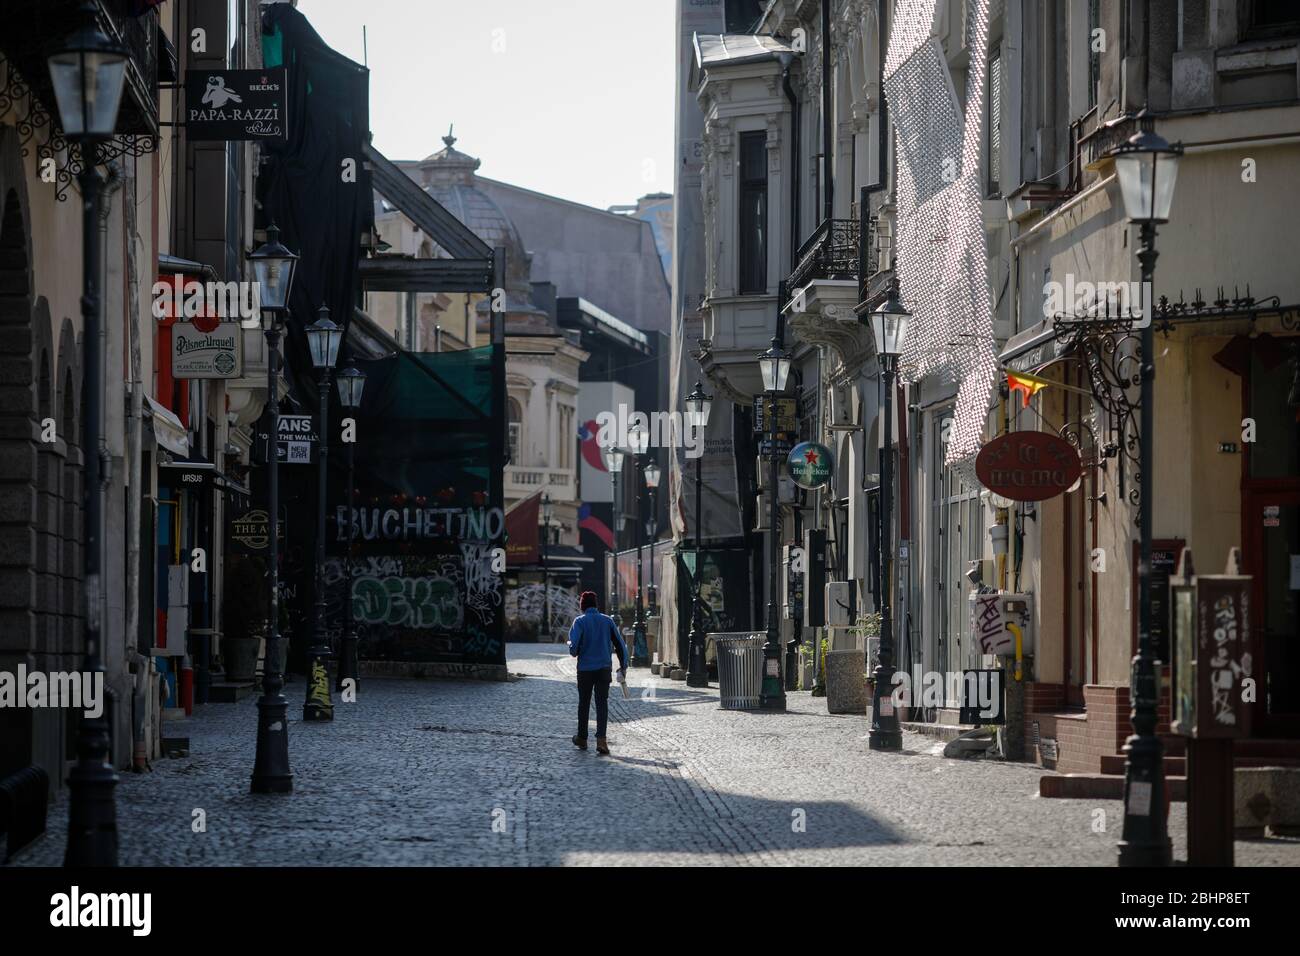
{"x": 942, "y": 261}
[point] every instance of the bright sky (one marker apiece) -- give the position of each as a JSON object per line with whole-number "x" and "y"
{"x": 568, "y": 97}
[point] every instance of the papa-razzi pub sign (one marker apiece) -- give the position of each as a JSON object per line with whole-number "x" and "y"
{"x": 236, "y": 104}
{"x": 1028, "y": 466}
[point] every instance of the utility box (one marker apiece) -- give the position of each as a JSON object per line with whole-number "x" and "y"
{"x": 178, "y": 585}
{"x": 841, "y": 604}
{"x": 1212, "y": 656}
{"x": 998, "y": 619}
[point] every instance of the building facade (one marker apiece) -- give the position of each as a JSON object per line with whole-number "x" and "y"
{"x": 962, "y": 151}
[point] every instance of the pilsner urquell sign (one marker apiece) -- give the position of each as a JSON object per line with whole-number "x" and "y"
{"x": 1028, "y": 466}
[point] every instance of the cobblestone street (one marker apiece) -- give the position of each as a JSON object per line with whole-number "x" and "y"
{"x": 416, "y": 772}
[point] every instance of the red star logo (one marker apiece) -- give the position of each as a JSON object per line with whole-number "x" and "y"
{"x": 810, "y": 456}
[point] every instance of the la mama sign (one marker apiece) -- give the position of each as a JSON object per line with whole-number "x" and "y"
{"x": 1028, "y": 466}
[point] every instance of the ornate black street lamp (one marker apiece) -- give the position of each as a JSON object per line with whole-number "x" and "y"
{"x": 323, "y": 339}
{"x": 546, "y": 568}
{"x": 614, "y": 462}
{"x": 1147, "y": 167}
{"x": 87, "y": 75}
{"x": 697, "y": 415}
{"x": 638, "y": 440}
{"x": 775, "y": 367}
{"x": 351, "y": 382}
{"x": 889, "y": 325}
{"x": 652, "y": 473}
{"x": 274, "y": 267}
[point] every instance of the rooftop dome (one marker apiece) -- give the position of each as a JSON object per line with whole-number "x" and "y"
{"x": 448, "y": 176}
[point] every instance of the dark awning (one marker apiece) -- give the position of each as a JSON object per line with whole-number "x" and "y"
{"x": 1034, "y": 348}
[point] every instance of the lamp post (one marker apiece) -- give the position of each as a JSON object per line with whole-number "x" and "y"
{"x": 273, "y": 267}
{"x": 87, "y": 74}
{"x": 323, "y": 338}
{"x": 652, "y": 474}
{"x": 351, "y": 382}
{"x": 774, "y": 364}
{"x": 546, "y": 570}
{"x": 1147, "y": 168}
{"x": 614, "y": 462}
{"x": 698, "y": 406}
{"x": 889, "y": 325}
{"x": 638, "y": 439}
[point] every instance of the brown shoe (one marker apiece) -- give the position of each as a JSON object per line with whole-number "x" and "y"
{"x": 601, "y": 746}
{"x": 580, "y": 742}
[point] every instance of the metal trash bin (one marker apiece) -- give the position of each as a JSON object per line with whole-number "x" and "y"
{"x": 740, "y": 668}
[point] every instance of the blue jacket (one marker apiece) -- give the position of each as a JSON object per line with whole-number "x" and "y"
{"x": 592, "y": 638}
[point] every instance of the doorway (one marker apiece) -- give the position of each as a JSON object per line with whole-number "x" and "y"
{"x": 1271, "y": 530}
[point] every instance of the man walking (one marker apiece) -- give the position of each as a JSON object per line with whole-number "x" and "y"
{"x": 592, "y": 638}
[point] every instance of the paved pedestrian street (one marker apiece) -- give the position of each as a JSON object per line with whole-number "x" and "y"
{"x": 469, "y": 773}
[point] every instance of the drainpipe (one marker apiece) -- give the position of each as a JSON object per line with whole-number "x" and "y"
{"x": 829, "y": 190}
{"x": 787, "y": 60}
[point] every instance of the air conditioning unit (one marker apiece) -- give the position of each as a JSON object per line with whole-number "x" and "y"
{"x": 789, "y": 491}
{"x": 843, "y": 413}
{"x": 841, "y": 604}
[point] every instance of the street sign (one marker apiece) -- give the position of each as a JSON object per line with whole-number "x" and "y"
{"x": 983, "y": 697}
{"x": 1028, "y": 466}
{"x": 231, "y": 105}
{"x": 296, "y": 440}
{"x": 810, "y": 465}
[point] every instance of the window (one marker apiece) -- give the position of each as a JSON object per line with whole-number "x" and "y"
{"x": 752, "y": 244}
{"x": 516, "y": 430}
{"x": 957, "y": 537}
{"x": 1272, "y": 18}
{"x": 1094, "y": 54}
{"x": 995, "y": 124}
{"x": 567, "y": 437}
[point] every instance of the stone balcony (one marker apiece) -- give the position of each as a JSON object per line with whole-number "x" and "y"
{"x": 522, "y": 481}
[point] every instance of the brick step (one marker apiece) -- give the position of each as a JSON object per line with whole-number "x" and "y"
{"x": 1113, "y": 764}
{"x": 1098, "y": 786}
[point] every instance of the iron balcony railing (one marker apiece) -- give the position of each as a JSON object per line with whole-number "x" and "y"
{"x": 31, "y": 29}
{"x": 831, "y": 252}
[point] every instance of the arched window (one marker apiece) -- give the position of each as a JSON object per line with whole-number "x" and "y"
{"x": 516, "y": 429}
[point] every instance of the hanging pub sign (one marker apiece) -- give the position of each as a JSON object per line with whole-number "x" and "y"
{"x": 218, "y": 353}
{"x": 250, "y": 532}
{"x": 230, "y": 105}
{"x": 786, "y": 413}
{"x": 810, "y": 465}
{"x": 1028, "y": 466}
{"x": 295, "y": 439}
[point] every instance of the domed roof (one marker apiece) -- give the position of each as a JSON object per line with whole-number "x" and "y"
{"x": 448, "y": 176}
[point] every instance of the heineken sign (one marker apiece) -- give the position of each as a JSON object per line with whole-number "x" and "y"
{"x": 217, "y": 353}
{"x": 236, "y": 104}
{"x": 810, "y": 465}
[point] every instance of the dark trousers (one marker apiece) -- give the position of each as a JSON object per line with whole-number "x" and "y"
{"x": 598, "y": 681}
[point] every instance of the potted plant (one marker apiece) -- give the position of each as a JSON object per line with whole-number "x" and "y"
{"x": 243, "y": 619}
